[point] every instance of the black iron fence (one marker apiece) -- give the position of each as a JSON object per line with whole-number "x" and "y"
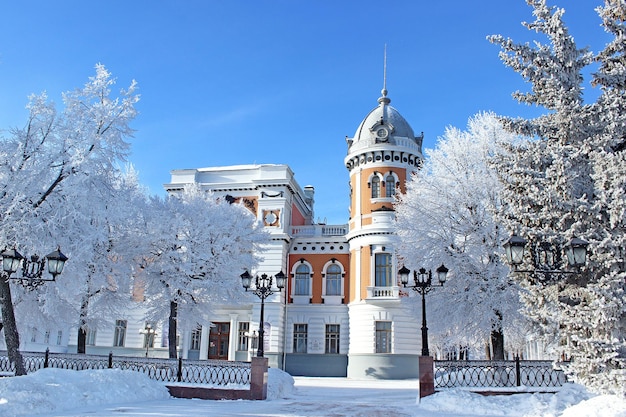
{"x": 212, "y": 372}
{"x": 498, "y": 374}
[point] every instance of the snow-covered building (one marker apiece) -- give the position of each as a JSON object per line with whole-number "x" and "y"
{"x": 340, "y": 312}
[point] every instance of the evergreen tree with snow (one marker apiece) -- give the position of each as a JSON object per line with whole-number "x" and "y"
{"x": 567, "y": 182}
{"x": 447, "y": 215}
{"x": 605, "y": 346}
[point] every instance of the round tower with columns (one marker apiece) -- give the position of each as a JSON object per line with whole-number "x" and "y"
{"x": 381, "y": 156}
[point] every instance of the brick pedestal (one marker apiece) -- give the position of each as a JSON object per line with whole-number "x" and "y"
{"x": 426, "y": 376}
{"x": 258, "y": 379}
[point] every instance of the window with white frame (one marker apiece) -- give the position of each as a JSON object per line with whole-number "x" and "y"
{"x": 375, "y": 186}
{"x": 300, "y": 332}
{"x": 59, "y": 337}
{"x": 46, "y": 337}
{"x": 332, "y": 338}
{"x": 383, "y": 337}
{"x": 33, "y": 335}
{"x": 302, "y": 280}
{"x": 382, "y": 270}
{"x": 243, "y": 336}
{"x": 91, "y": 337}
{"x": 196, "y": 338}
{"x": 333, "y": 279}
{"x": 390, "y": 185}
{"x": 119, "y": 337}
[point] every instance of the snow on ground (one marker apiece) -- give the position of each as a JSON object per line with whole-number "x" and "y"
{"x": 112, "y": 392}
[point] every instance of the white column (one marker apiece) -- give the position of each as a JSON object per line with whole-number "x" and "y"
{"x": 204, "y": 343}
{"x": 233, "y": 337}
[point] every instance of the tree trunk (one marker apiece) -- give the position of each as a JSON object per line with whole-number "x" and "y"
{"x": 81, "y": 342}
{"x": 11, "y": 336}
{"x": 497, "y": 338}
{"x": 497, "y": 341}
{"x": 171, "y": 335}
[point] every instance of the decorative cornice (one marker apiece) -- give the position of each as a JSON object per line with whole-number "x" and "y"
{"x": 278, "y": 194}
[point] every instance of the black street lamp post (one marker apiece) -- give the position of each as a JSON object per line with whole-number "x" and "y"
{"x": 149, "y": 335}
{"x": 546, "y": 258}
{"x": 262, "y": 289}
{"x": 423, "y": 284}
{"x": 31, "y": 277}
{"x": 32, "y": 270}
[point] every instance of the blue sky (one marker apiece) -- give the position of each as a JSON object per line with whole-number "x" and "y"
{"x": 283, "y": 81}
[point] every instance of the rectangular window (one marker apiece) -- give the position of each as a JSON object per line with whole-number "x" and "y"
{"x": 383, "y": 337}
{"x": 59, "y": 337}
{"x": 300, "y": 338}
{"x": 120, "y": 333}
{"x": 196, "y": 337}
{"x": 46, "y": 337}
{"x": 243, "y": 336}
{"x": 165, "y": 338}
{"x": 91, "y": 337}
{"x": 33, "y": 336}
{"x": 332, "y": 338}
{"x": 382, "y": 267}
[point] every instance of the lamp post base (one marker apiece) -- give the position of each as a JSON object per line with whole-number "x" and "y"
{"x": 426, "y": 376}
{"x": 258, "y": 379}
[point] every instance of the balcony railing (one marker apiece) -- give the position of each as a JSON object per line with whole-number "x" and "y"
{"x": 319, "y": 230}
{"x": 383, "y": 292}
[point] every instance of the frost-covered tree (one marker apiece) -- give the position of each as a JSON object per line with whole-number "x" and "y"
{"x": 568, "y": 181}
{"x": 447, "y": 215}
{"x": 43, "y": 168}
{"x": 109, "y": 250}
{"x": 197, "y": 247}
{"x": 102, "y": 236}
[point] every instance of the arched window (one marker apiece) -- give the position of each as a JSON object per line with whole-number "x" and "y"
{"x": 333, "y": 280}
{"x": 302, "y": 280}
{"x": 390, "y": 186}
{"x": 375, "y": 186}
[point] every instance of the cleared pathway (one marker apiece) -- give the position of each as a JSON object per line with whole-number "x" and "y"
{"x": 331, "y": 397}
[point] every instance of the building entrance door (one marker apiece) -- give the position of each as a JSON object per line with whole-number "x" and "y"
{"x": 218, "y": 341}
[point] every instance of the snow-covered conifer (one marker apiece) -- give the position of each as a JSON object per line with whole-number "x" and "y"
{"x": 568, "y": 181}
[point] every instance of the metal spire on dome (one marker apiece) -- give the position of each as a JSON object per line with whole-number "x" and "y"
{"x": 384, "y": 99}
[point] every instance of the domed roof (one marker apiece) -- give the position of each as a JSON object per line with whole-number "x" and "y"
{"x": 384, "y": 124}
